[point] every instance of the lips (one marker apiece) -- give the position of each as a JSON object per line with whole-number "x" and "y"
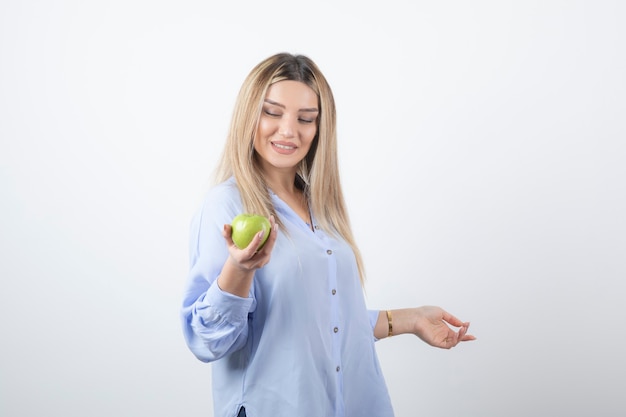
{"x": 284, "y": 148}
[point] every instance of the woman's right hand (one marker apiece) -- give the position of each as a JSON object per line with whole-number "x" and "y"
{"x": 249, "y": 259}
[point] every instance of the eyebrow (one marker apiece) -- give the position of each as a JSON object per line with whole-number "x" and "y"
{"x": 274, "y": 103}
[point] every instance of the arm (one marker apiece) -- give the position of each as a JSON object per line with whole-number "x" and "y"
{"x": 215, "y": 310}
{"x": 429, "y": 323}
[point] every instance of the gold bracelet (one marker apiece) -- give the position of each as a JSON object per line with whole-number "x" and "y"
{"x": 390, "y": 324}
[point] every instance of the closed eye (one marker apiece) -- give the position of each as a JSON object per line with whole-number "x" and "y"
{"x": 269, "y": 113}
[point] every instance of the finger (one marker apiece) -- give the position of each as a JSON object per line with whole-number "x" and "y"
{"x": 451, "y": 319}
{"x": 271, "y": 240}
{"x": 240, "y": 255}
{"x": 254, "y": 244}
{"x": 227, "y": 233}
{"x": 466, "y": 337}
{"x": 462, "y": 332}
{"x": 269, "y": 243}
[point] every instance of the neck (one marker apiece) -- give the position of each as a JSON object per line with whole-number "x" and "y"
{"x": 281, "y": 182}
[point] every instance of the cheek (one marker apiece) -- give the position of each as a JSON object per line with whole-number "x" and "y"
{"x": 265, "y": 128}
{"x": 310, "y": 135}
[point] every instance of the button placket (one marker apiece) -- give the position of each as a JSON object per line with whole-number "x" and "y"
{"x": 334, "y": 306}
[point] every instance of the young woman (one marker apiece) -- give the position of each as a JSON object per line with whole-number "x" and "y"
{"x": 286, "y": 327}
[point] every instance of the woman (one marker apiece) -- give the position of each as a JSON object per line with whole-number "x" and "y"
{"x": 286, "y": 327}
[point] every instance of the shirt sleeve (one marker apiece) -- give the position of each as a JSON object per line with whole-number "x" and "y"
{"x": 373, "y": 316}
{"x": 215, "y": 323}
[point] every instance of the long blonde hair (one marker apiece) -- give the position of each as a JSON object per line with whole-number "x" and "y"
{"x": 318, "y": 172}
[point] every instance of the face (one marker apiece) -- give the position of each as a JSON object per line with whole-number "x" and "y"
{"x": 287, "y": 126}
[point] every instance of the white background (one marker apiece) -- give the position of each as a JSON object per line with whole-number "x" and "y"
{"x": 483, "y": 159}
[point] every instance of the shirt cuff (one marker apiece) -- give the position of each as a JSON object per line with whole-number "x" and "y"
{"x": 232, "y": 308}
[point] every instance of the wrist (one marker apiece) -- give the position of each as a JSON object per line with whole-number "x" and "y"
{"x": 235, "y": 280}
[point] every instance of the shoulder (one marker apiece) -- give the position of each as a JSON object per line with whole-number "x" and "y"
{"x": 220, "y": 203}
{"x": 223, "y": 193}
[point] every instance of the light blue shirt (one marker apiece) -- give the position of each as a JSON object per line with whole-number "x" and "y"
{"x": 302, "y": 343}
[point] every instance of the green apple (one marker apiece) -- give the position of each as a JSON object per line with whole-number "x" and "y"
{"x": 245, "y": 226}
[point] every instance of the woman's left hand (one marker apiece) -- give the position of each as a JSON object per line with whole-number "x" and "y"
{"x": 432, "y": 325}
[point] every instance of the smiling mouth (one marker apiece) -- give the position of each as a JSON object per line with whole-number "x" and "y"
{"x": 285, "y": 147}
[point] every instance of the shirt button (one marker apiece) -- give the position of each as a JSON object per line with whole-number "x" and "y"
{"x": 336, "y": 329}
{"x": 316, "y": 227}
{"x": 330, "y": 252}
{"x": 334, "y": 291}
{"x": 337, "y": 369}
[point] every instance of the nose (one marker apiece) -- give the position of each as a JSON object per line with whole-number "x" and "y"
{"x": 286, "y": 127}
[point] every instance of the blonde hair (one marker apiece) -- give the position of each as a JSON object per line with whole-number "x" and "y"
{"x": 318, "y": 172}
